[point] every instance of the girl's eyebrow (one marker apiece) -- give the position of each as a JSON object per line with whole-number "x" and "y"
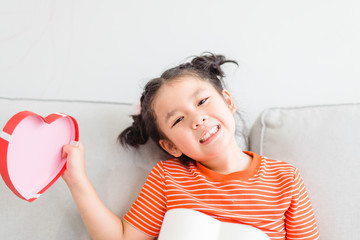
{"x": 170, "y": 114}
{"x": 192, "y": 96}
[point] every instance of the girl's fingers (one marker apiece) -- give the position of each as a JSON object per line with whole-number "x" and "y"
{"x": 65, "y": 151}
{"x": 69, "y": 148}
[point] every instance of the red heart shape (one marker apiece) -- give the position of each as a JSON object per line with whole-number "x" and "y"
{"x": 30, "y": 151}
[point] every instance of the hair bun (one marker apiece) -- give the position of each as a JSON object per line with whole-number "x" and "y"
{"x": 134, "y": 135}
{"x": 211, "y": 63}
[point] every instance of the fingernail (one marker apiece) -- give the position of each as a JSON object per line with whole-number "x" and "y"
{"x": 74, "y": 143}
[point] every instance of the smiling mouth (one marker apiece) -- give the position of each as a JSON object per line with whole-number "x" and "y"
{"x": 209, "y": 133}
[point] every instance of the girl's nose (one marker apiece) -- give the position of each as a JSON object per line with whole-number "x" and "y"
{"x": 199, "y": 120}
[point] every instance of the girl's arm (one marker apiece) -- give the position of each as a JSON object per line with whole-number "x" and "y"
{"x": 100, "y": 222}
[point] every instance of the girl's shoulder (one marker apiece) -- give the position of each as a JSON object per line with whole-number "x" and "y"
{"x": 271, "y": 162}
{"x": 277, "y": 167}
{"x": 175, "y": 163}
{"x": 174, "y": 167}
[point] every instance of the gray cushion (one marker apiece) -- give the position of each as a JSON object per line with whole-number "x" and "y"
{"x": 324, "y": 143}
{"x": 117, "y": 174}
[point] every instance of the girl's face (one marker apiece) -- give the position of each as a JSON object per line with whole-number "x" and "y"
{"x": 197, "y": 120}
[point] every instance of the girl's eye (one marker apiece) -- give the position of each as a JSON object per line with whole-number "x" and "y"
{"x": 202, "y": 101}
{"x": 177, "y": 121}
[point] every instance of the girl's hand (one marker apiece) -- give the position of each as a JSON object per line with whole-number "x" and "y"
{"x": 75, "y": 171}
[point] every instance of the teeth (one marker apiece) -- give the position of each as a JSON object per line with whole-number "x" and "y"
{"x": 209, "y": 133}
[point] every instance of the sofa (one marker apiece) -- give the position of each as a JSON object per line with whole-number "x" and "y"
{"x": 322, "y": 141}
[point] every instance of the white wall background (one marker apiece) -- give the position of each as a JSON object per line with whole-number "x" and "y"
{"x": 290, "y": 52}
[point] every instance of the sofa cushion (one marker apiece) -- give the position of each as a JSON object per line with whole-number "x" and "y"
{"x": 323, "y": 142}
{"x": 117, "y": 173}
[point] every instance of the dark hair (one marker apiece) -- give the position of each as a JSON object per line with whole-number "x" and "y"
{"x": 206, "y": 67}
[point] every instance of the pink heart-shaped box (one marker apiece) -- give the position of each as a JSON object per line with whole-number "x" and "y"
{"x": 31, "y": 149}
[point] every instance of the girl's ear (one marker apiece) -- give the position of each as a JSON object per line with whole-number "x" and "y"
{"x": 228, "y": 100}
{"x": 170, "y": 147}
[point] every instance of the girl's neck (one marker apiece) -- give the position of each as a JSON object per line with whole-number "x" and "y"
{"x": 231, "y": 160}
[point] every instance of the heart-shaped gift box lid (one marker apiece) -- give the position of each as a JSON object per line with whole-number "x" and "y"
{"x": 31, "y": 151}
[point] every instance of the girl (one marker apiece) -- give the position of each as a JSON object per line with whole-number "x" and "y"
{"x": 190, "y": 115}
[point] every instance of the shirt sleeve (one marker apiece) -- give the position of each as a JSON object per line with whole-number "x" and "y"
{"x": 300, "y": 219}
{"x": 147, "y": 212}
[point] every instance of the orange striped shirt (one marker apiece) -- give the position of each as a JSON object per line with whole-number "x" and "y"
{"x": 269, "y": 195}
